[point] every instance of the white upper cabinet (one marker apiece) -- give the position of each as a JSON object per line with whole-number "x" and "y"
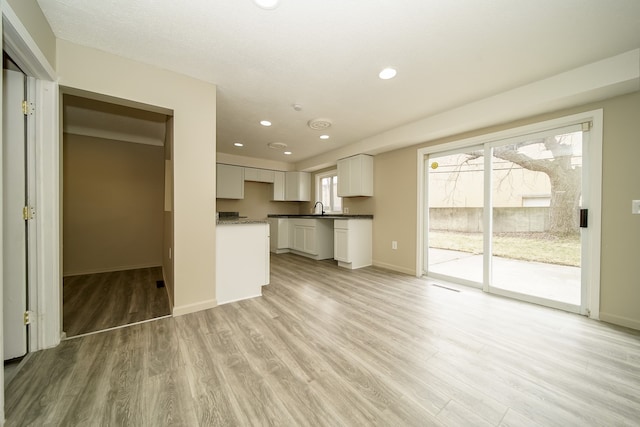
{"x": 229, "y": 181}
{"x": 259, "y": 175}
{"x": 355, "y": 176}
{"x": 297, "y": 186}
{"x": 278, "y": 186}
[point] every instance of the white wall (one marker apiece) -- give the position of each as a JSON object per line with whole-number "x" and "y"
{"x": 193, "y": 103}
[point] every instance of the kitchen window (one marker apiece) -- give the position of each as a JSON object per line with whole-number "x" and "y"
{"x": 327, "y": 191}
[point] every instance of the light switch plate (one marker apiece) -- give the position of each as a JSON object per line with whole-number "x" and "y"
{"x": 635, "y": 207}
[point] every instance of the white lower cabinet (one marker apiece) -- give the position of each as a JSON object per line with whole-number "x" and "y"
{"x": 311, "y": 237}
{"x": 352, "y": 241}
{"x": 279, "y": 235}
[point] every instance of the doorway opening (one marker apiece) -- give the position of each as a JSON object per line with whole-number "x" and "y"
{"x": 116, "y": 215}
{"x": 516, "y": 213}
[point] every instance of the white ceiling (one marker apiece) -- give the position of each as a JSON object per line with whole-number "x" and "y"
{"x": 326, "y": 55}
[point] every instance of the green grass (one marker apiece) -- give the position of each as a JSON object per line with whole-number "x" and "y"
{"x": 540, "y": 247}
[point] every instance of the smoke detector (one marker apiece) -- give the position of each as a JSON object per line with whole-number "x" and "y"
{"x": 277, "y": 145}
{"x": 319, "y": 124}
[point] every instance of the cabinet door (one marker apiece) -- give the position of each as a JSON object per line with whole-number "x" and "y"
{"x": 355, "y": 176}
{"x": 298, "y": 186}
{"x": 298, "y": 237}
{"x": 229, "y": 182}
{"x": 278, "y": 186}
{"x": 310, "y": 240}
{"x": 341, "y": 245}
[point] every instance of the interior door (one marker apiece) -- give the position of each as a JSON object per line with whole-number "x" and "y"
{"x": 14, "y": 226}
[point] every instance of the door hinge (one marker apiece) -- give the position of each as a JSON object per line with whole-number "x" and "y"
{"x": 27, "y": 108}
{"x": 28, "y": 213}
{"x": 27, "y": 317}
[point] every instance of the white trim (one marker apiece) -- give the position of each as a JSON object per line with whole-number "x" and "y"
{"x": 192, "y": 308}
{"x": 48, "y": 219}
{"x": 21, "y": 47}
{"x": 592, "y": 270}
{"x": 595, "y": 212}
{"x": 319, "y": 177}
{"x": 17, "y": 41}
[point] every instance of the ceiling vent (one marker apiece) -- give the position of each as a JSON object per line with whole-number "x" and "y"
{"x": 319, "y": 124}
{"x": 277, "y": 145}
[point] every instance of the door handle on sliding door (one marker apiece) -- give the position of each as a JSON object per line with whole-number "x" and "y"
{"x": 584, "y": 218}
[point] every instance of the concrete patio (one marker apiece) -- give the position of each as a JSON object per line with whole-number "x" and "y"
{"x": 550, "y": 281}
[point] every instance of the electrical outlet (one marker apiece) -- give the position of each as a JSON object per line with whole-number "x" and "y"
{"x": 345, "y": 210}
{"x": 635, "y": 206}
{"x": 394, "y": 245}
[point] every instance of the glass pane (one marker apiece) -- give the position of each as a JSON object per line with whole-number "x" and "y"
{"x": 337, "y": 201}
{"x": 325, "y": 197}
{"x": 537, "y": 189}
{"x": 455, "y": 215}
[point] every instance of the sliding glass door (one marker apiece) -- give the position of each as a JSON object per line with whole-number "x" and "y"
{"x": 506, "y": 216}
{"x": 456, "y": 206}
{"x": 536, "y": 201}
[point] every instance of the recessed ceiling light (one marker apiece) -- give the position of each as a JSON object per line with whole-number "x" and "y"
{"x": 324, "y": 136}
{"x": 387, "y": 73}
{"x": 267, "y": 4}
{"x": 238, "y": 144}
{"x": 287, "y": 152}
{"x": 265, "y": 122}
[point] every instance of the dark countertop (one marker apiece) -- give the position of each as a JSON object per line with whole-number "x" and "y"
{"x": 236, "y": 220}
{"x": 318, "y": 216}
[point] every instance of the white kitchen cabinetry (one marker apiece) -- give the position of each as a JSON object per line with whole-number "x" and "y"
{"x": 312, "y": 237}
{"x": 355, "y": 176}
{"x": 242, "y": 261}
{"x": 279, "y": 235}
{"x": 278, "y": 186}
{"x": 259, "y": 175}
{"x": 297, "y": 186}
{"x": 352, "y": 242}
{"x": 229, "y": 181}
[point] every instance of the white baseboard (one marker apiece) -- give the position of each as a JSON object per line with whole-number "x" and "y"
{"x": 620, "y": 320}
{"x": 393, "y": 267}
{"x": 109, "y": 270}
{"x": 192, "y": 308}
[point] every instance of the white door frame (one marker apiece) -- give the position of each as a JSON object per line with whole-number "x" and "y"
{"x": 44, "y": 290}
{"x": 592, "y": 269}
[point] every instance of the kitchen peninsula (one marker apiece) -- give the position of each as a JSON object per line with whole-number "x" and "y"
{"x": 345, "y": 238}
{"x": 242, "y": 258}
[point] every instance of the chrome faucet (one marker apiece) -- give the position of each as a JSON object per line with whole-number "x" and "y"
{"x": 321, "y": 205}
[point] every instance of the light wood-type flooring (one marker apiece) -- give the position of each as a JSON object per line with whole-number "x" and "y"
{"x": 326, "y": 346}
{"x": 95, "y": 302}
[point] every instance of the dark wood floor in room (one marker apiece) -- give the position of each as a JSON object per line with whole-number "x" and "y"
{"x": 95, "y": 302}
{"x": 326, "y": 346}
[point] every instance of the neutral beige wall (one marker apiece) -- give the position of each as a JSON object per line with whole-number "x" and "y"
{"x": 257, "y": 202}
{"x": 193, "y": 103}
{"x": 395, "y": 205}
{"x": 33, "y": 19}
{"x": 113, "y": 200}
